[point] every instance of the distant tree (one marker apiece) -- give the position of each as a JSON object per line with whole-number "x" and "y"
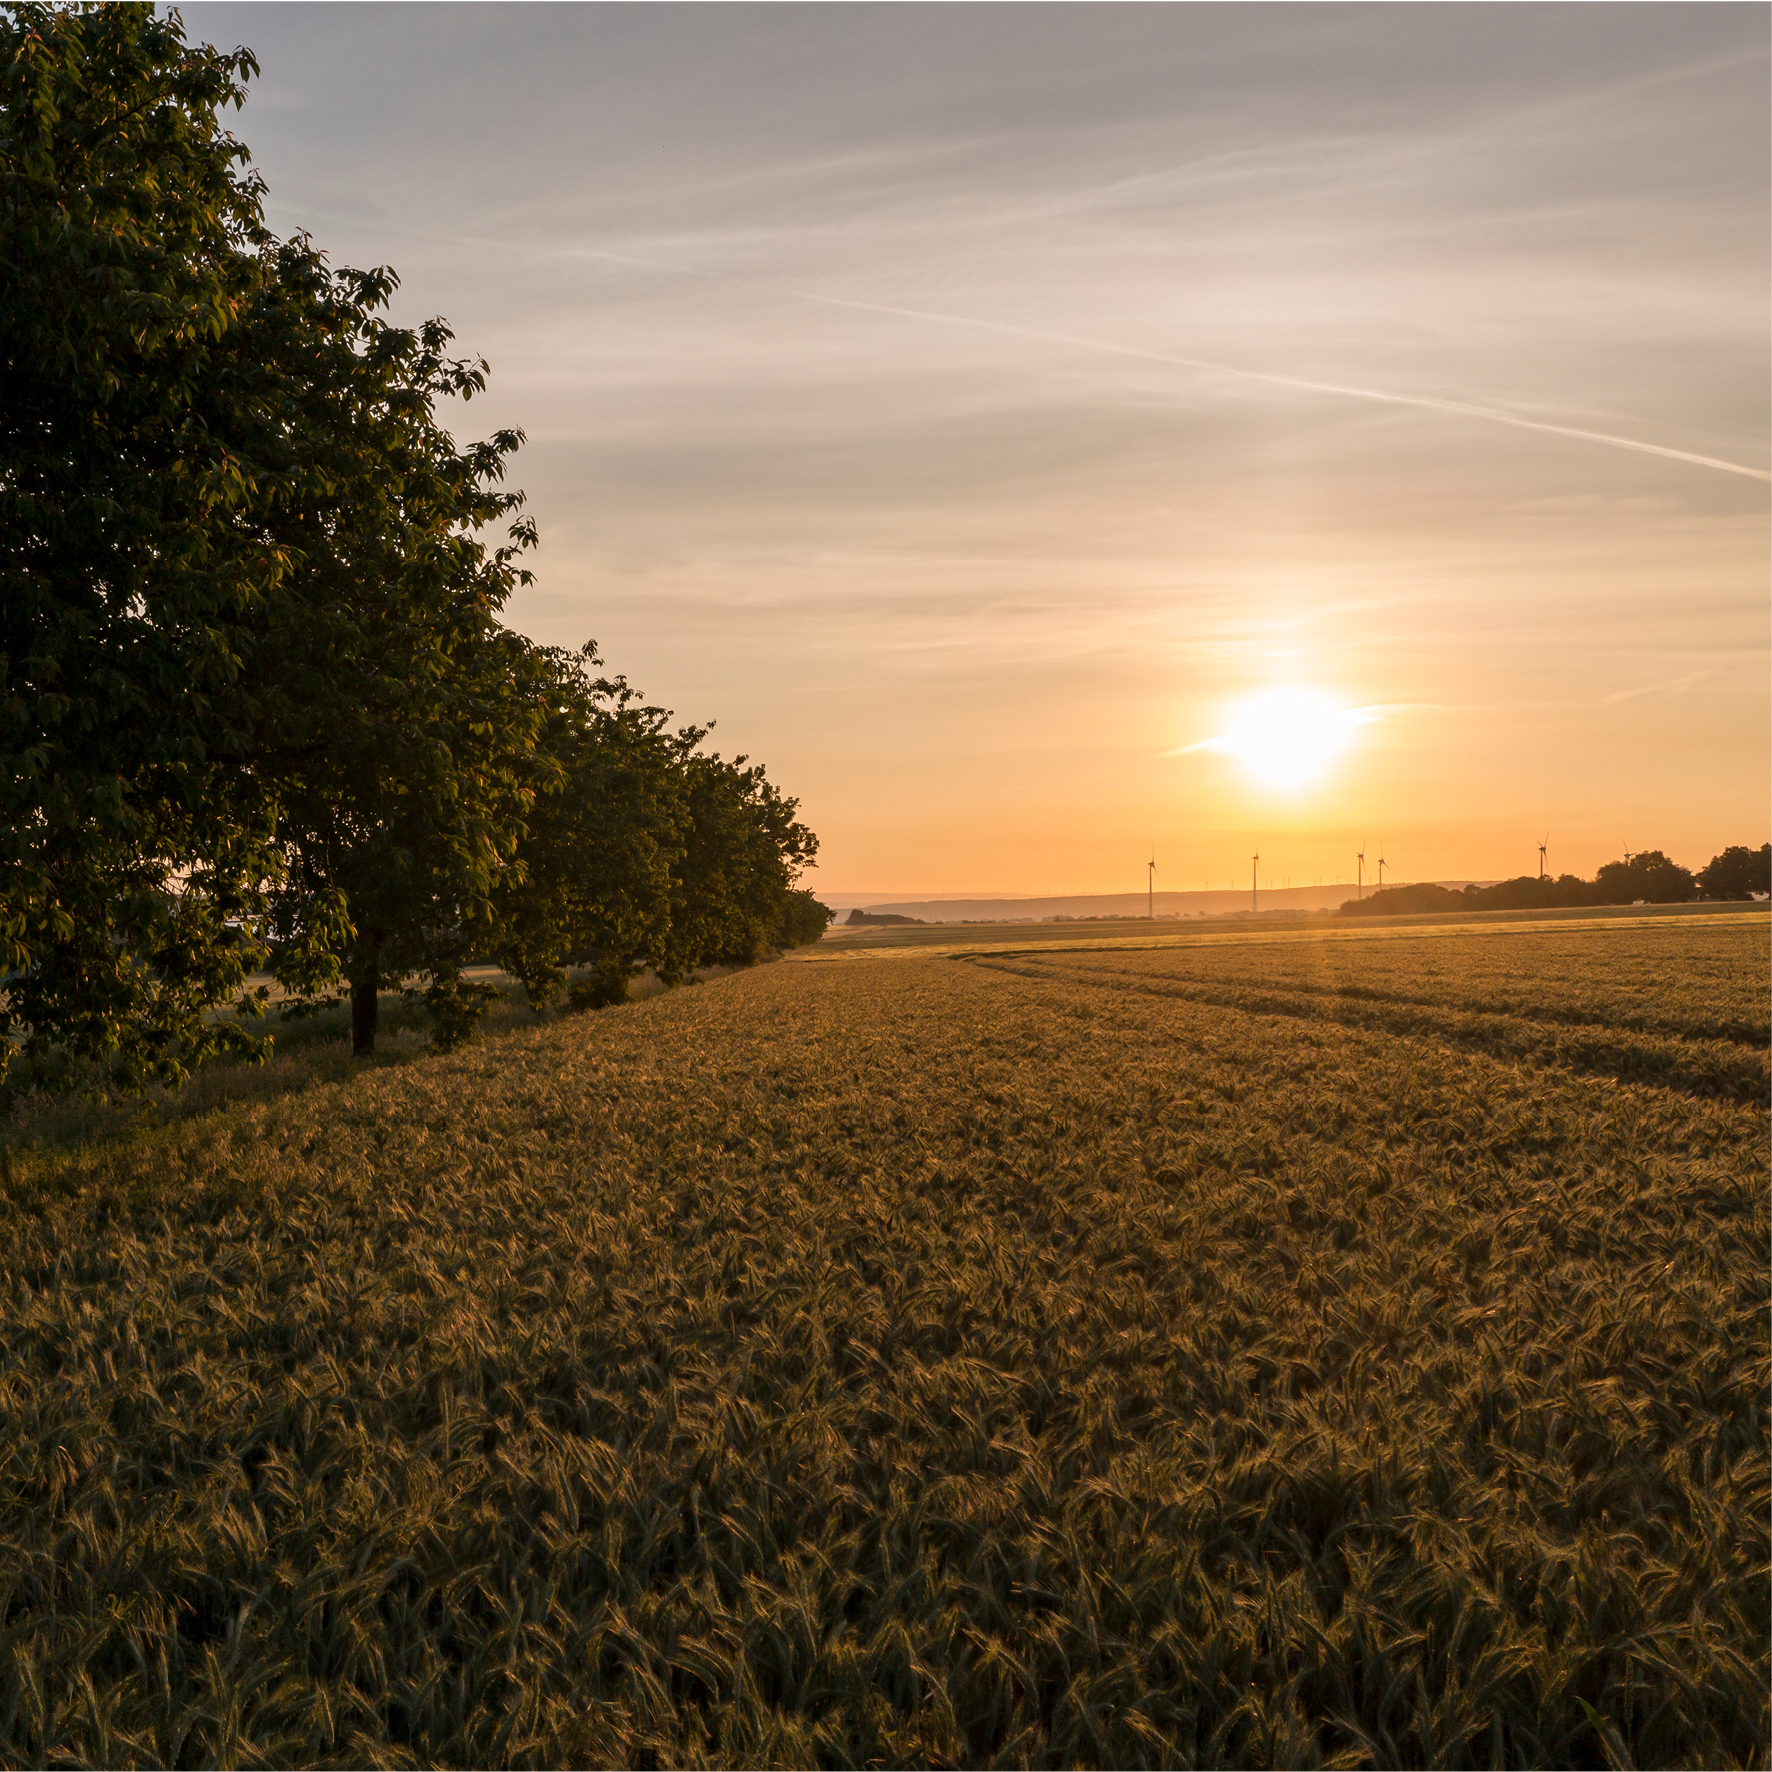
{"x": 1526, "y": 892}
{"x": 1530, "y": 892}
{"x": 1739, "y": 872}
{"x": 1649, "y": 876}
{"x": 1405, "y": 900}
{"x": 1571, "y": 889}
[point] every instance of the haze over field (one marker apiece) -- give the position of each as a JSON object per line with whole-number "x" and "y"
{"x": 1305, "y": 896}
{"x": 973, "y": 410}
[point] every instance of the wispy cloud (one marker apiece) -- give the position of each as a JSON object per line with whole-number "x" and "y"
{"x": 1675, "y": 686}
{"x": 982, "y": 385}
{"x": 1106, "y": 347}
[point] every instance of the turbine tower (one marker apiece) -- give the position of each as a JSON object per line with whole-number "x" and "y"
{"x": 1541, "y": 849}
{"x": 1150, "y": 885}
{"x": 1381, "y": 864}
{"x": 1254, "y": 879}
{"x": 1360, "y": 871}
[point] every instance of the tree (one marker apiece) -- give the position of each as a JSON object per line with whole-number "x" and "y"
{"x": 135, "y": 838}
{"x": 605, "y": 834}
{"x": 803, "y": 920}
{"x": 1739, "y": 872}
{"x": 1405, "y": 900}
{"x": 398, "y": 715}
{"x": 257, "y": 700}
{"x": 643, "y": 849}
{"x": 1648, "y": 876}
{"x": 743, "y": 851}
{"x": 1531, "y": 892}
{"x": 257, "y": 703}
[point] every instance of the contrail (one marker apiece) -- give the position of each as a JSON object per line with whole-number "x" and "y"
{"x": 1458, "y": 408}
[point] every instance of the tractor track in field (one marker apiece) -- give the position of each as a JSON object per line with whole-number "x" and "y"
{"x": 1717, "y": 1068}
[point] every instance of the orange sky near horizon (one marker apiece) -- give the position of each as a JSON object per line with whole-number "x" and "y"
{"x": 971, "y": 410}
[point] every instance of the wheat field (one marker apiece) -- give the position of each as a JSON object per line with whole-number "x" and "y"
{"x": 1268, "y": 1350}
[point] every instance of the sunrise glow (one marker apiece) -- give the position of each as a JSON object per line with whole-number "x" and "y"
{"x": 959, "y": 403}
{"x": 1287, "y": 738}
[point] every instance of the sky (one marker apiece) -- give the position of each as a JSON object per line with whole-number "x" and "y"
{"x": 1047, "y": 436}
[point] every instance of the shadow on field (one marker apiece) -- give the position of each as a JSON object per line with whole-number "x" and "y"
{"x": 304, "y": 1053}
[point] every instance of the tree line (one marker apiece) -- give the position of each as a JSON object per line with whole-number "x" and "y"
{"x": 258, "y": 712}
{"x": 1648, "y": 877}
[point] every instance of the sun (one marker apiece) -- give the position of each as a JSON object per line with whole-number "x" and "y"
{"x": 1287, "y": 738}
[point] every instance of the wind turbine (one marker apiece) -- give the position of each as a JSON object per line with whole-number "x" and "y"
{"x": 1541, "y": 849}
{"x": 1360, "y": 871}
{"x": 1150, "y": 885}
{"x": 1254, "y": 879}
{"x": 1381, "y": 864}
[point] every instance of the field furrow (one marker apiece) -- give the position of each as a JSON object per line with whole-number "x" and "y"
{"x": 1728, "y": 1069}
{"x": 1692, "y": 978}
{"x": 1705, "y": 1021}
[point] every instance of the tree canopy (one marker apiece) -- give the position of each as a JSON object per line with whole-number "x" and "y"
{"x": 258, "y": 712}
{"x": 1738, "y": 872}
{"x": 644, "y": 849}
{"x": 604, "y": 842}
{"x": 1649, "y": 876}
{"x": 134, "y": 835}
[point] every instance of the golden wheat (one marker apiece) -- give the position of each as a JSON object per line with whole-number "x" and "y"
{"x": 1243, "y": 1355}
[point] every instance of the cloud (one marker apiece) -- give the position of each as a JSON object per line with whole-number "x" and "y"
{"x": 1676, "y": 686}
{"x": 1029, "y": 380}
{"x": 1075, "y": 341}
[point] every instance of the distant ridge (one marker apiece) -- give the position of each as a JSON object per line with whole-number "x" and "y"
{"x": 1123, "y": 904}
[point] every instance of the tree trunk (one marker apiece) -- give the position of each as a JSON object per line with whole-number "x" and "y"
{"x": 365, "y": 986}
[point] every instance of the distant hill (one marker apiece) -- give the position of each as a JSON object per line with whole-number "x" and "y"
{"x": 1116, "y": 904}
